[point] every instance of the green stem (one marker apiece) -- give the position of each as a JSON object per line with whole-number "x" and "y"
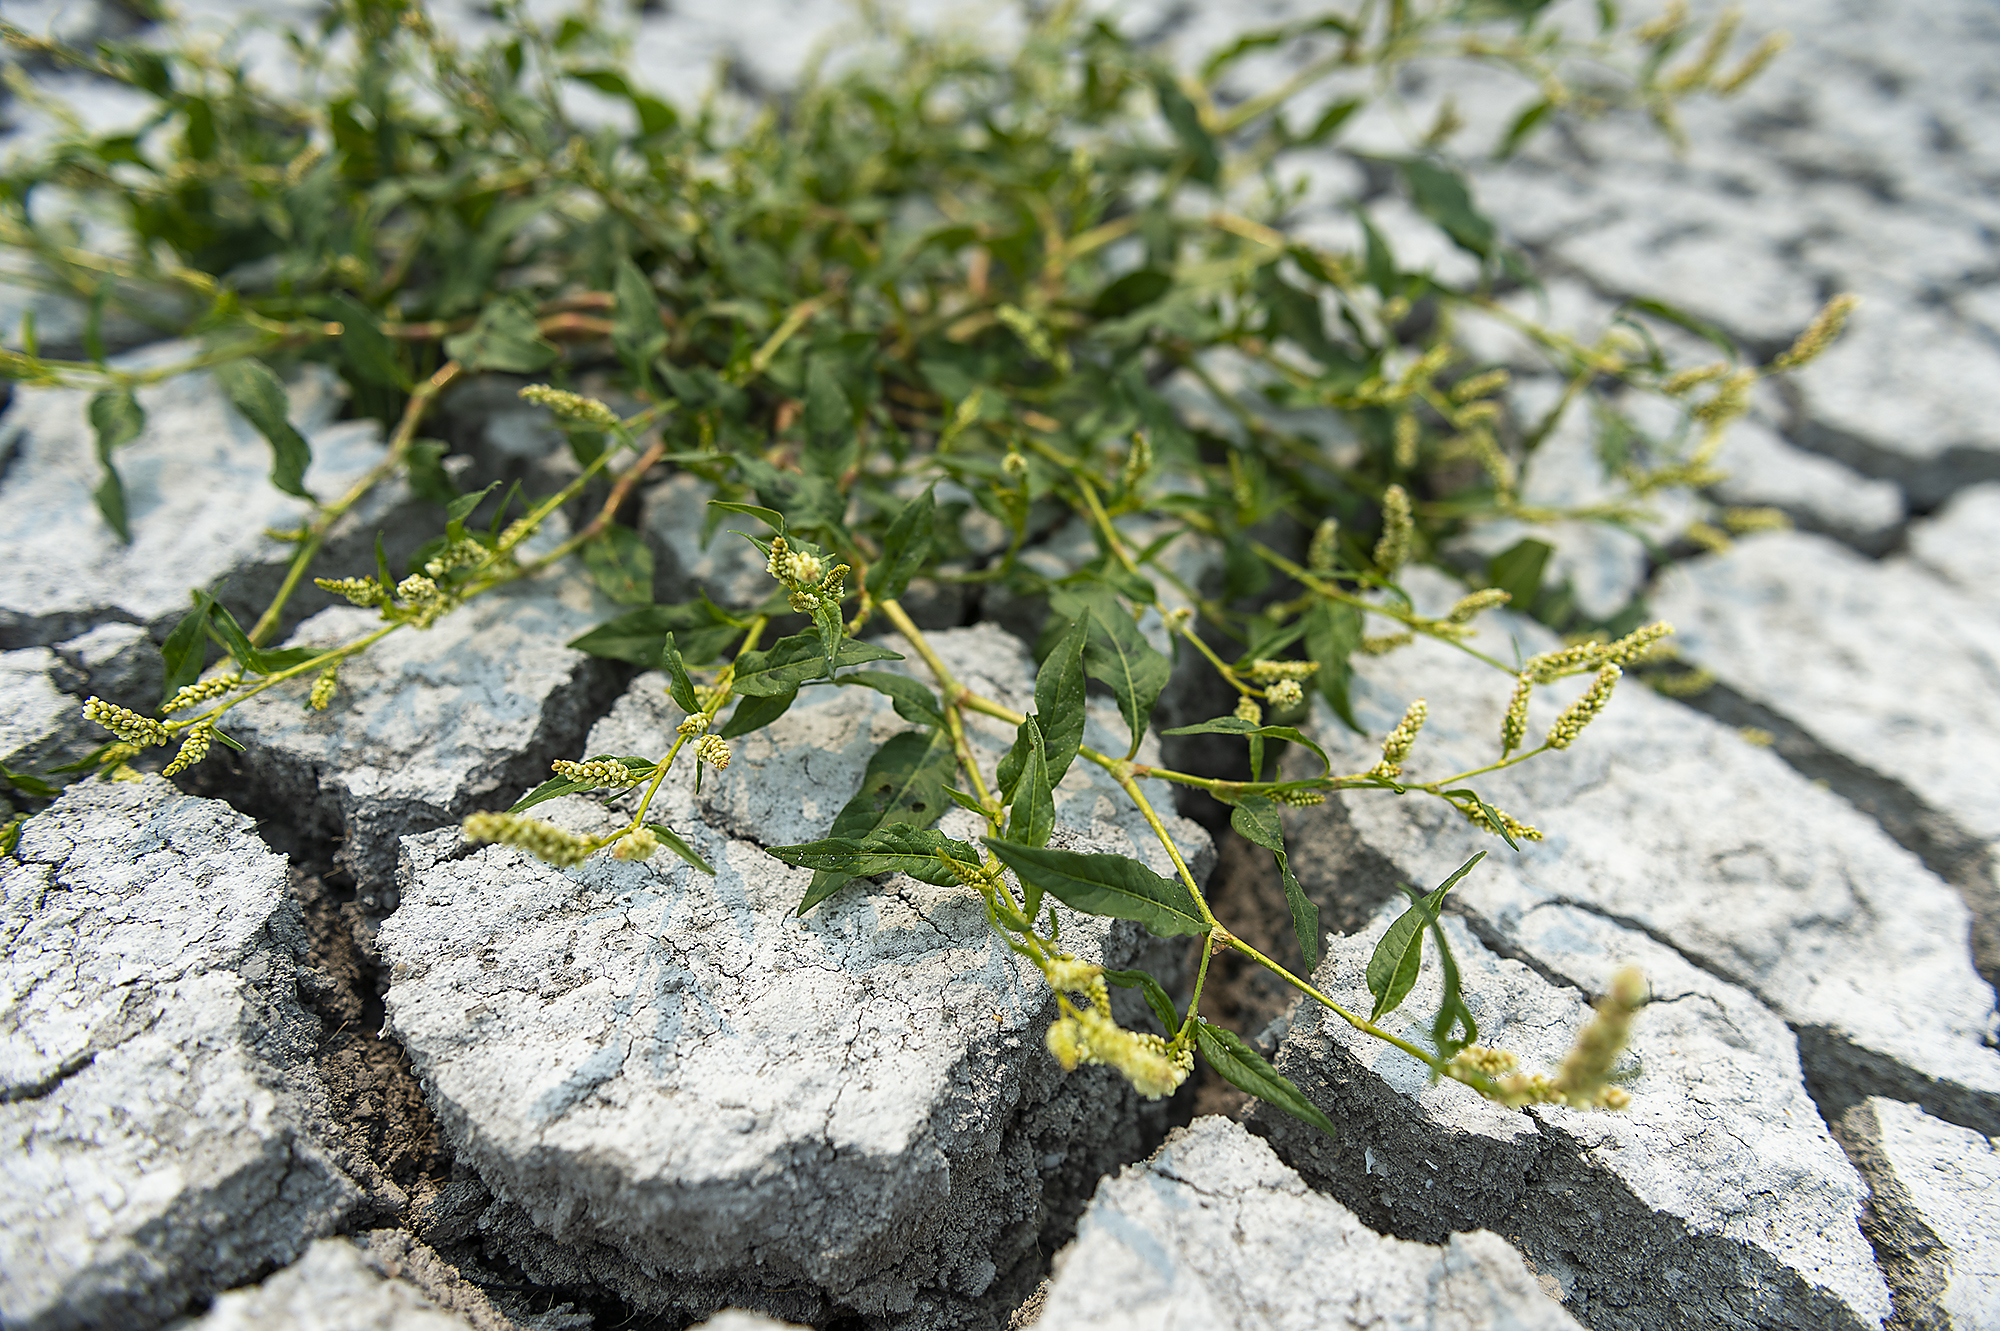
{"x": 399, "y": 447}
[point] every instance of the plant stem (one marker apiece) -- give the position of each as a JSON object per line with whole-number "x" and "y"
{"x": 399, "y": 447}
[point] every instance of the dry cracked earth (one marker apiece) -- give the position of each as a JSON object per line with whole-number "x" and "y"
{"x": 279, "y": 1049}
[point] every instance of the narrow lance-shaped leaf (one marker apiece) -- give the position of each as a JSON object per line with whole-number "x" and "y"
{"x": 117, "y": 418}
{"x": 756, "y": 713}
{"x": 1060, "y": 690}
{"x": 637, "y": 334}
{"x": 1256, "y": 818}
{"x": 1398, "y": 956}
{"x": 1033, "y": 814}
{"x": 672, "y": 841}
{"x": 187, "y": 646}
{"x": 920, "y": 852}
{"x": 680, "y": 687}
{"x": 790, "y": 662}
{"x": 906, "y": 547}
{"x": 1236, "y": 725}
{"x": 1105, "y": 885}
{"x": 1156, "y": 997}
{"x": 257, "y": 393}
{"x": 913, "y": 701}
{"x": 505, "y": 338}
{"x": 1118, "y": 655}
{"x": 1246, "y": 1069}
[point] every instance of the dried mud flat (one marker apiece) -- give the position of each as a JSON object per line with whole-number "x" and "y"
{"x": 279, "y": 1049}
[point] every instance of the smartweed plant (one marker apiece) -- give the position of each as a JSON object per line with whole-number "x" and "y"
{"x": 942, "y": 294}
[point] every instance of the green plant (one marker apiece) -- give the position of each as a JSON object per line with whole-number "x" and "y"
{"x": 950, "y": 272}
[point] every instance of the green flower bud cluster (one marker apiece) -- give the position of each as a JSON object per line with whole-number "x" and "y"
{"x": 1392, "y": 550}
{"x": 193, "y": 749}
{"x": 573, "y": 408}
{"x": 545, "y": 841}
{"x": 125, "y": 723}
{"x": 1396, "y": 748}
{"x": 364, "y": 592}
{"x": 456, "y": 555}
{"x": 638, "y": 844}
{"x": 201, "y": 691}
{"x": 1154, "y": 1067}
{"x": 1508, "y": 823}
{"x": 322, "y": 689}
{"x": 1585, "y": 709}
{"x": 1324, "y": 552}
{"x": 1264, "y": 671}
{"x": 1478, "y": 603}
{"x": 1585, "y": 1079}
{"x": 602, "y": 772}
{"x": 713, "y": 750}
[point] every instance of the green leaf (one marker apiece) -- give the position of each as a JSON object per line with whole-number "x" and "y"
{"x": 906, "y": 547}
{"x": 1118, "y": 656}
{"x": 1256, "y": 818}
{"x": 459, "y": 509}
{"x": 1105, "y": 885}
{"x": 1398, "y": 955}
{"x": 27, "y": 783}
{"x": 1236, "y": 725}
{"x": 904, "y": 784}
{"x": 428, "y": 478}
{"x": 1305, "y": 915}
{"x": 917, "y": 851}
{"x": 790, "y": 662}
{"x": 118, "y": 419}
{"x": 637, "y": 334}
{"x": 1060, "y": 690}
{"x": 672, "y": 841}
{"x": 621, "y": 564}
{"x": 1134, "y": 291}
{"x": 1329, "y": 122}
{"x": 1156, "y": 997}
{"x": 1441, "y": 194}
{"x": 365, "y": 347}
{"x": 827, "y": 411}
{"x": 1033, "y": 814}
{"x": 258, "y": 394}
{"x": 1518, "y": 571}
{"x": 506, "y": 338}
{"x": 965, "y": 801}
{"x": 913, "y": 701}
{"x": 770, "y": 516}
{"x": 1680, "y": 318}
{"x": 1333, "y": 635}
{"x": 1185, "y": 121}
{"x": 1245, "y": 1069}
{"x": 756, "y": 713}
{"x": 1380, "y": 259}
{"x": 1523, "y": 126}
{"x": 679, "y": 687}
{"x": 831, "y": 629}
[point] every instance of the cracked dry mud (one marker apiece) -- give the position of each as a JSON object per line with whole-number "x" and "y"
{"x": 400, "y": 1081}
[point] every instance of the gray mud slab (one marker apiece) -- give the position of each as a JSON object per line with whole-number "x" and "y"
{"x": 1814, "y": 491}
{"x": 159, "y": 1116}
{"x": 1664, "y": 821}
{"x": 331, "y": 1288}
{"x": 1936, "y": 1187}
{"x": 426, "y": 725}
{"x": 40, "y": 726}
{"x": 679, "y": 1089}
{"x": 1717, "y": 1199}
{"x": 199, "y": 496}
{"x": 1883, "y": 663}
{"x": 1215, "y": 1233}
{"x": 1959, "y": 544}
